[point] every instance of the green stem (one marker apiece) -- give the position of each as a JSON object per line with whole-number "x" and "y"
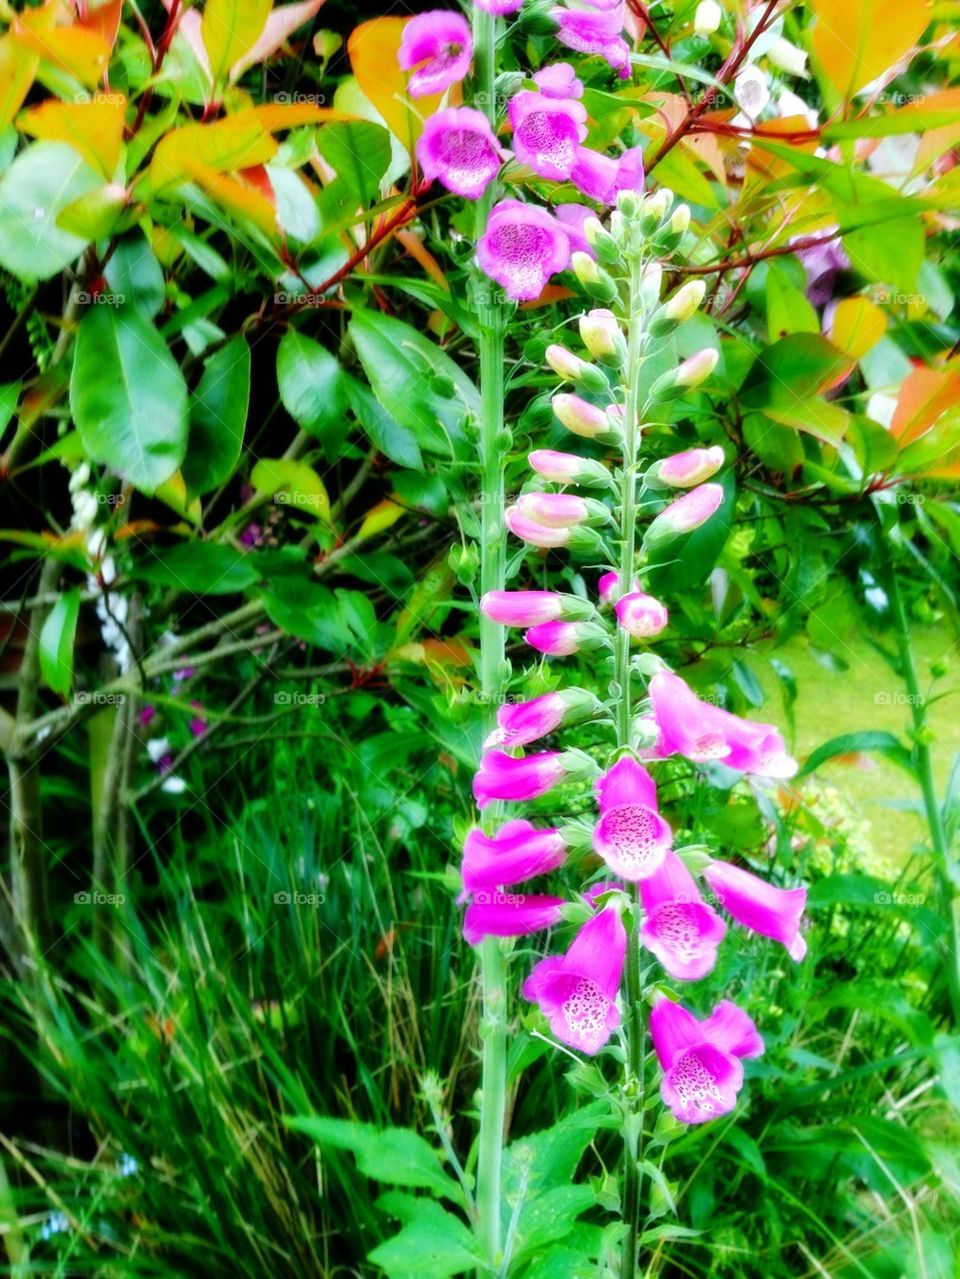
{"x": 493, "y": 1103}
{"x": 633, "y": 1086}
{"x": 946, "y": 873}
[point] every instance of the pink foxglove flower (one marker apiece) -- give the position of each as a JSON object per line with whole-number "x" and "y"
{"x": 631, "y": 836}
{"x": 687, "y": 726}
{"x": 561, "y": 639}
{"x": 518, "y": 851}
{"x": 501, "y": 776}
{"x": 608, "y": 587}
{"x": 558, "y": 80}
{"x": 577, "y": 992}
{"x": 529, "y": 530}
{"x": 579, "y": 416}
{"x": 700, "y": 1060}
{"x": 684, "y": 470}
{"x": 567, "y": 468}
{"x": 546, "y": 132}
{"x": 509, "y": 915}
{"x": 595, "y": 31}
{"x": 602, "y": 177}
{"x": 521, "y": 248}
{"x": 678, "y": 927}
{"x": 759, "y": 906}
{"x": 519, "y": 723}
{"x": 528, "y": 608}
{"x": 641, "y": 615}
{"x": 499, "y": 7}
{"x": 555, "y": 510}
{"x": 572, "y": 218}
{"x": 437, "y": 48}
{"x": 685, "y": 514}
{"x": 458, "y": 149}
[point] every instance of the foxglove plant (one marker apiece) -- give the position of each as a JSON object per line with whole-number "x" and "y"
{"x": 598, "y": 989}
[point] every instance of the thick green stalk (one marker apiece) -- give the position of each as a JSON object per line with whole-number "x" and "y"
{"x": 492, "y": 570}
{"x": 946, "y": 873}
{"x": 628, "y": 550}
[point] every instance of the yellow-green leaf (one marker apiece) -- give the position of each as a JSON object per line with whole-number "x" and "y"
{"x": 854, "y": 42}
{"x": 230, "y": 28}
{"x": 293, "y": 484}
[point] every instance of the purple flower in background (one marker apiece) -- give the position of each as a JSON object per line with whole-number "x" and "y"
{"x": 498, "y": 7}
{"x": 577, "y": 991}
{"x": 546, "y": 132}
{"x": 821, "y": 263}
{"x": 572, "y": 217}
{"x": 678, "y": 927}
{"x": 518, "y": 851}
{"x": 759, "y": 906}
{"x": 521, "y": 248}
{"x": 509, "y": 915}
{"x": 595, "y": 30}
{"x": 198, "y": 723}
{"x": 185, "y": 673}
{"x": 437, "y": 48}
{"x": 147, "y": 714}
{"x": 501, "y": 776}
{"x": 251, "y": 536}
{"x": 558, "y": 80}
{"x": 458, "y": 149}
{"x": 631, "y": 836}
{"x": 700, "y": 1060}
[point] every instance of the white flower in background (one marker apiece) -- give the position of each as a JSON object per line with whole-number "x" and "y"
{"x": 708, "y": 17}
{"x": 790, "y": 103}
{"x": 751, "y": 91}
{"x": 788, "y": 57}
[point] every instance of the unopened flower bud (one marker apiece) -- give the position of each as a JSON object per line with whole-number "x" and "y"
{"x": 788, "y": 57}
{"x": 641, "y": 615}
{"x": 594, "y": 279}
{"x": 608, "y": 587}
{"x": 650, "y": 286}
{"x": 654, "y": 210}
{"x": 533, "y": 608}
{"x": 602, "y": 242}
{"x": 684, "y": 470}
{"x": 562, "y": 510}
{"x": 603, "y": 337}
{"x": 561, "y": 639}
{"x": 569, "y": 366}
{"x": 568, "y": 468}
{"x": 579, "y": 416}
{"x": 628, "y": 203}
{"x": 684, "y": 515}
{"x": 678, "y": 308}
{"x": 708, "y": 17}
{"x": 689, "y": 374}
{"x": 464, "y": 562}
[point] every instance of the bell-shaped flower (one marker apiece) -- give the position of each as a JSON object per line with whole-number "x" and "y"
{"x": 517, "y": 852}
{"x": 678, "y": 926}
{"x": 641, "y": 615}
{"x": 561, "y": 639}
{"x": 504, "y": 777}
{"x": 546, "y": 132}
{"x": 519, "y": 723}
{"x": 529, "y": 608}
{"x": 572, "y": 218}
{"x": 577, "y": 992}
{"x": 436, "y": 47}
{"x": 631, "y": 836}
{"x": 458, "y": 149}
{"x": 603, "y": 177}
{"x": 761, "y": 907}
{"x": 498, "y": 7}
{"x": 688, "y": 726}
{"x": 595, "y": 30}
{"x": 558, "y": 80}
{"x": 700, "y": 1060}
{"x": 521, "y": 248}
{"x": 495, "y": 914}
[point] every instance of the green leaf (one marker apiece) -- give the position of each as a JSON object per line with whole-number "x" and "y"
{"x": 218, "y": 415}
{"x": 417, "y": 384}
{"x": 385, "y": 433}
{"x": 359, "y": 151}
{"x": 887, "y": 744}
{"x": 203, "y": 568}
{"x": 293, "y": 484}
{"x": 396, "y": 1156}
{"x": 229, "y": 29}
{"x": 134, "y": 273}
{"x": 888, "y": 252}
{"x": 788, "y": 310}
{"x": 309, "y": 612}
{"x": 688, "y": 559}
{"x": 128, "y": 397}
{"x": 56, "y": 643}
{"x": 791, "y": 371}
{"x": 34, "y": 191}
{"x": 312, "y": 384}
{"x": 433, "y": 1244}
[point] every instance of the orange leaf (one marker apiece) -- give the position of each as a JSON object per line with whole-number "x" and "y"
{"x": 925, "y": 396}
{"x": 93, "y": 128}
{"x": 235, "y": 142}
{"x": 103, "y": 19}
{"x": 858, "y": 40}
{"x": 81, "y": 52}
{"x": 373, "y": 48}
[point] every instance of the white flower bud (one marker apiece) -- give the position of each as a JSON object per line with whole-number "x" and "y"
{"x": 708, "y": 17}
